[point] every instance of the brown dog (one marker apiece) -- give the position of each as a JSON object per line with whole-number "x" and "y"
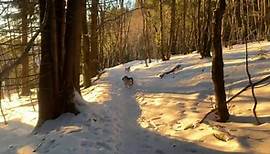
{"x": 128, "y": 81}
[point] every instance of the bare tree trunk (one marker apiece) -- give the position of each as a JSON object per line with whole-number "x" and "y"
{"x": 173, "y": 28}
{"x": 217, "y": 63}
{"x": 163, "y": 56}
{"x": 247, "y": 65}
{"x": 102, "y": 36}
{"x": 199, "y": 26}
{"x": 121, "y": 29}
{"x": 237, "y": 12}
{"x": 2, "y": 111}
{"x": 73, "y": 45}
{"x": 60, "y": 37}
{"x": 265, "y": 18}
{"x": 184, "y": 26}
{"x": 56, "y": 87}
{"x": 206, "y": 38}
{"x": 86, "y": 51}
{"x": 145, "y": 37}
{"x": 25, "y": 64}
{"x": 47, "y": 91}
{"x": 94, "y": 39}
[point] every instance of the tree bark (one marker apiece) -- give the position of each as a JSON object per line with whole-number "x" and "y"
{"x": 25, "y": 64}
{"x": 199, "y": 26}
{"x": 172, "y": 32}
{"x": 184, "y": 27}
{"x": 86, "y": 51}
{"x": 237, "y": 12}
{"x": 206, "y": 38}
{"x": 163, "y": 56}
{"x": 60, "y": 36}
{"x": 73, "y": 45}
{"x": 94, "y": 39}
{"x": 217, "y": 63}
{"x": 59, "y": 69}
{"x": 47, "y": 91}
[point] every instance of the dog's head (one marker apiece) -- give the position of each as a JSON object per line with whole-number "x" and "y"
{"x": 128, "y": 81}
{"x": 125, "y": 78}
{"x": 127, "y": 69}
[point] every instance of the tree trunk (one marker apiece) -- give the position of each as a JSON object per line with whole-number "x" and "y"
{"x": 172, "y": 32}
{"x": 73, "y": 45}
{"x": 199, "y": 26}
{"x": 60, "y": 36}
{"x": 238, "y": 12}
{"x": 102, "y": 36}
{"x": 206, "y": 38}
{"x": 25, "y": 64}
{"x": 47, "y": 92}
{"x": 163, "y": 56}
{"x": 145, "y": 36}
{"x": 94, "y": 39}
{"x": 86, "y": 51}
{"x": 217, "y": 63}
{"x": 265, "y": 19}
{"x": 58, "y": 67}
{"x": 184, "y": 27}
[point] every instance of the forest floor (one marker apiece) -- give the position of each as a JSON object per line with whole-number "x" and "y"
{"x": 155, "y": 115}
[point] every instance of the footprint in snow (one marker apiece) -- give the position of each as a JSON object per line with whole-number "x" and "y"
{"x": 191, "y": 150}
{"x": 158, "y": 151}
{"x": 103, "y": 145}
{"x": 86, "y": 143}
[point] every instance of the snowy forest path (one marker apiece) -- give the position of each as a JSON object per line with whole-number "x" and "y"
{"x": 132, "y": 138}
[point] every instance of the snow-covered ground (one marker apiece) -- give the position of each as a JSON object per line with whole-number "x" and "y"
{"x": 153, "y": 116}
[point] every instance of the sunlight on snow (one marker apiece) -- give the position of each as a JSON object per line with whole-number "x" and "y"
{"x": 20, "y": 110}
{"x": 173, "y": 117}
{"x": 26, "y": 150}
{"x": 98, "y": 94}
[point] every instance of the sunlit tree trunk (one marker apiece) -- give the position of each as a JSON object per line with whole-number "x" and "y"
{"x": 217, "y": 63}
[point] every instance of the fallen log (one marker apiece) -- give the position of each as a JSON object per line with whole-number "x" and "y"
{"x": 177, "y": 67}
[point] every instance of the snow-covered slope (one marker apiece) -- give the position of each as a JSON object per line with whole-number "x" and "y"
{"x": 153, "y": 116}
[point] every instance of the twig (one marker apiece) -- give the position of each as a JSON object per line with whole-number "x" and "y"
{"x": 10, "y": 66}
{"x": 206, "y": 115}
{"x": 248, "y": 86}
{"x": 196, "y": 124}
{"x": 2, "y": 111}
{"x": 40, "y": 144}
{"x": 99, "y": 75}
{"x": 249, "y": 77}
{"x": 171, "y": 71}
{"x": 237, "y": 94}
